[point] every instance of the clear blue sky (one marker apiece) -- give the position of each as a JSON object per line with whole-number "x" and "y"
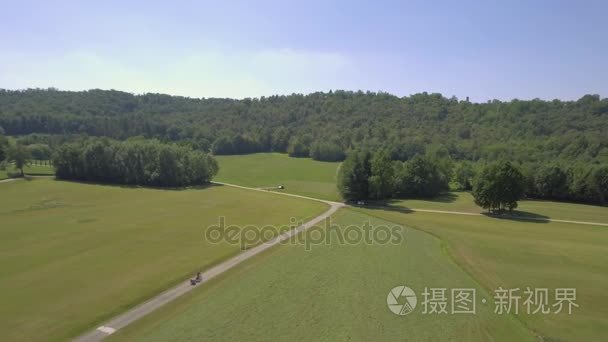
{"x": 482, "y": 49}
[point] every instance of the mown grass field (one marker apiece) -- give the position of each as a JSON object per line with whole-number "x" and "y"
{"x": 494, "y": 252}
{"x": 302, "y": 176}
{"x": 332, "y": 293}
{"x": 519, "y": 254}
{"x": 72, "y": 254}
{"x": 463, "y": 201}
{"x": 39, "y": 170}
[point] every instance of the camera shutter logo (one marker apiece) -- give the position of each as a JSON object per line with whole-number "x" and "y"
{"x": 401, "y": 300}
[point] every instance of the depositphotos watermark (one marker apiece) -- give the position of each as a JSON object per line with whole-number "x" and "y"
{"x": 402, "y": 300}
{"x": 324, "y": 233}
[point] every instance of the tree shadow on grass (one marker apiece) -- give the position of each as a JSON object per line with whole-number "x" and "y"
{"x": 446, "y": 197}
{"x": 132, "y": 186}
{"x": 383, "y": 205}
{"x": 519, "y": 215}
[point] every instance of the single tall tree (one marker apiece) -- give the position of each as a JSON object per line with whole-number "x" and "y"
{"x": 498, "y": 187}
{"x": 20, "y": 156}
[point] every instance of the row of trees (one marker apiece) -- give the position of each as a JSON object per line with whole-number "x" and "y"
{"x": 496, "y": 186}
{"x": 578, "y": 182}
{"x": 299, "y": 146}
{"x": 366, "y": 175}
{"x": 499, "y": 185}
{"x": 136, "y": 161}
{"x": 236, "y": 144}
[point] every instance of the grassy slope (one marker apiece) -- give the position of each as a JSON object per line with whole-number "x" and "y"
{"x": 333, "y": 293}
{"x": 74, "y": 254}
{"x": 302, "y": 176}
{"x": 463, "y": 201}
{"x": 511, "y": 254}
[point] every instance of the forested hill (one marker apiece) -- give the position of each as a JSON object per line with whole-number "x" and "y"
{"x": 519, "y": 130}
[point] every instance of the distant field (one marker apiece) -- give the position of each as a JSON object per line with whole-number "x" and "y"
{"x": 72, "y": 255}
{"x": 519, "y": 254}
{"x": 463, "y": 201}
{"x": 43, "y": 170}
{"x": 302, "y": 176}
{"x": 332, "y": 293}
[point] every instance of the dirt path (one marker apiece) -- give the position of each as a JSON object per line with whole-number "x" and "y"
{"x": 167, "y": 296}
{"x": 523, "y": 218}
{"x": 156, "y": 302}
{"x": 27, "y": 177}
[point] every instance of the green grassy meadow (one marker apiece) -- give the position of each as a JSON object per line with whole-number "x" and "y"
{"x": 301, "y": 176}
{"x": 37, "y": 170}
{"x": 333, "y": 293}
{"x": 463, "y": 202}
{"x": 519, "y": 254}
{"x": 494, "y": 252}
{"x": 73, "y": 254}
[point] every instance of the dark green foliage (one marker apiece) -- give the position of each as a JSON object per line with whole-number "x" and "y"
{"x": 40, "y": 151}
{"x": 548, "y": 138}
{"x": 406, "y": 150}
{"x": 137, "y": 161}
{"x": 298, "y": 148}
{"x": 327, "y": 151}
{"x": 439, "y": 156}
{"x": 463, "y": 175}
{"x": 3, "y": 147}
{"x": 236, "y": 144}
{"x": 279, "y": 140}
{"x": 353, "y": 178}
{"x": 19, "y": 155}
{"x": 381, "y": 180}
{"x": 577, "y": 182}
{"x": 600, "y": 179}
{"x": 523, "y": 131}
{"x": 375, "y": 176}
{"x": 498, "y": 187}
{"x": 420, "y": 177}
{"x": 551, "y": 182}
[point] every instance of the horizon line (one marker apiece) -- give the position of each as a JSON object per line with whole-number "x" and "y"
{"x": 330, "y": 91}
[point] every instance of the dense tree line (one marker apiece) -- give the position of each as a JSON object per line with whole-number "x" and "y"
{"x": 560, "y": 147}
{"x": 499, "y": 185}
{"x": 135, "y": 161}
{"x": 524, "y": 131}
{"x": 367, "y": 175}
{"x": 3, "y": 147}
{"x": 578, "y": 182}
{"x": 236, "y": 144}
{"x": 327, "y": 151}
{"x": 496, "y": 186}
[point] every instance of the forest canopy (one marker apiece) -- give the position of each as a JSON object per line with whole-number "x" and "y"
{"x": 416, "y": 146}
{"x": 139, "y": 162}
{"x": 324, "y": 124}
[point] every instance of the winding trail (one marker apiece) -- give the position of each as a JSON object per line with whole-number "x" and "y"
{"x": 167, "y": 296}
{"x": 9, "y": 180}
{"x": 513, "y": 217}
